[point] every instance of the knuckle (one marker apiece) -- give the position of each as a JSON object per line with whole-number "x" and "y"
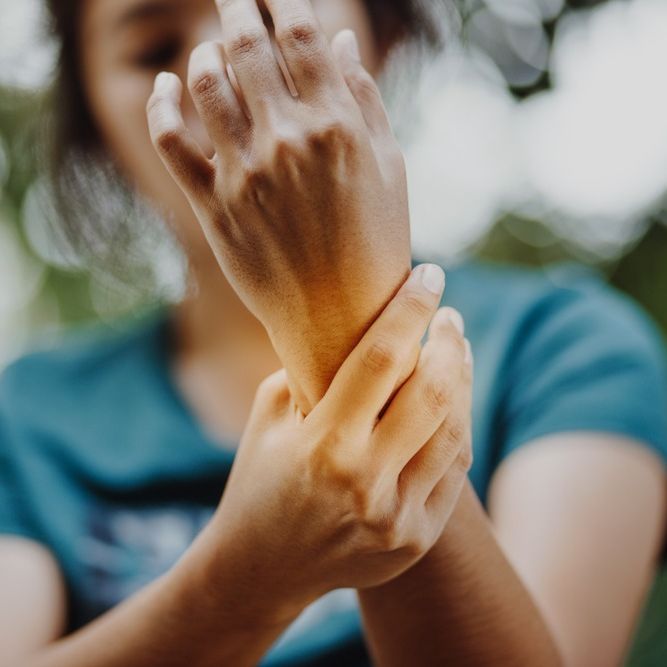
{"x": 265, "y": 390}
{"x": 347, "y": 477}
{"x": 285, "y": 149}
{"x": 437, "y": 395}
{"x": 167, "y": 140}
{"x": 333, "y": 135}
{"x": 256, "y": 177}
{"x": 204, "y": 84}
{"x": 301, "y": 33}
{"x": 255, "y": 180}
{"x": 383, "y": 527}
{"x": 350, "y": 487}
{"x": 415, "y": 305}
{"x": 328, "y": 464}
{"x": 272, "y": 387}
{"x": 455, "y": 431}
{"x": 379, "y": 357}
{"x": 247, "y": 43}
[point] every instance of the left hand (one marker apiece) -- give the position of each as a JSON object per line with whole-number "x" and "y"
{"x": 361, "y": 489}
{"x": 305, "y": 200}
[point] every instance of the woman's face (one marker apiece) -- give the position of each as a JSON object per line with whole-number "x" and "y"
{"x": 125, "y": 43}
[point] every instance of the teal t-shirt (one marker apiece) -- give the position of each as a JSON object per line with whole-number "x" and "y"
{"x": 101, "y": 461}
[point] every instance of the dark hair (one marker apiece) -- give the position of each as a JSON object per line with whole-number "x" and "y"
{"x": 82, "y": 178}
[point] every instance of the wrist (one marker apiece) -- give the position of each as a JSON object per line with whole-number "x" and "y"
{"x": 206, "y": 613}
{"x": 221, "y": 583}
{"x": 316, "y": 329}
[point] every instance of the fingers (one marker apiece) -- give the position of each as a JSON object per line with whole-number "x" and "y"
{"x": 448, "y": 455}
{"x": 365, "y": 382}
{"x": 304, "y": 46}
{"x": 361, "y": 84}
{"x": 442, "y": 500}
{"x": 449, "y": 450}
{"x": 432, "y": 395}
{"x": 181, "y": 154}
{"x": 216, "y": 101}
{"x": 247, "y": 46}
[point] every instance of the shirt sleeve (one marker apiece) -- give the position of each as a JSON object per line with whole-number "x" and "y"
{"x": 14, "y": 518}
{"x": 586, "y": 359}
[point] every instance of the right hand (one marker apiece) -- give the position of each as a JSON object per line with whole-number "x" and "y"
{"x": 355, "y": 493}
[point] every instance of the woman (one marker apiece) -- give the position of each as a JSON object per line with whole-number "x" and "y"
{"x": 352, "y": 472}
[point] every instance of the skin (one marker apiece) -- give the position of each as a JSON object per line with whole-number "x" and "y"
{"x": 297, "y": 166}
{"x": 459, "y": 579}
{"x": 367, "y": 517}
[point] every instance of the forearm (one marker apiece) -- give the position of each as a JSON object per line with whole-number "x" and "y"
{"x": 315, "y": 333}
{"x": 176, "y": 620}
{"x": 462, "y": 604}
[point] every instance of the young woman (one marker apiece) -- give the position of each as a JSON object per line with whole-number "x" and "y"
{"x": 353, "y": 494}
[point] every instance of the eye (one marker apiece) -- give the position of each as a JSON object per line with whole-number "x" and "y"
{"x": 158, "y": 57}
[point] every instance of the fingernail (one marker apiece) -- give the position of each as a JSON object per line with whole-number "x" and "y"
{"x": 433, "y": 278}
{"x": 456, "y": 319}
{"x": 354, "y": 46}
{"x": 162, "y": 81}
{"x": 467, "y": 359}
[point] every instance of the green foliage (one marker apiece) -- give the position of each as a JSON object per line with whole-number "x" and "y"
{"x": 650, "y": 646}
{"x": 68, "y": 291}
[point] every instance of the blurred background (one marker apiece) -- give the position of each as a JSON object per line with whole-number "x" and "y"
{"x": 541, "y": 132}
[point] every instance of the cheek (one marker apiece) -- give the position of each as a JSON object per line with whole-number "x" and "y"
{"x": 118, "y": 103}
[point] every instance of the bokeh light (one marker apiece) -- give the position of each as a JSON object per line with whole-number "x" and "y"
{"x": 586, "y": 154}
{"x": 26, "y": 55}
